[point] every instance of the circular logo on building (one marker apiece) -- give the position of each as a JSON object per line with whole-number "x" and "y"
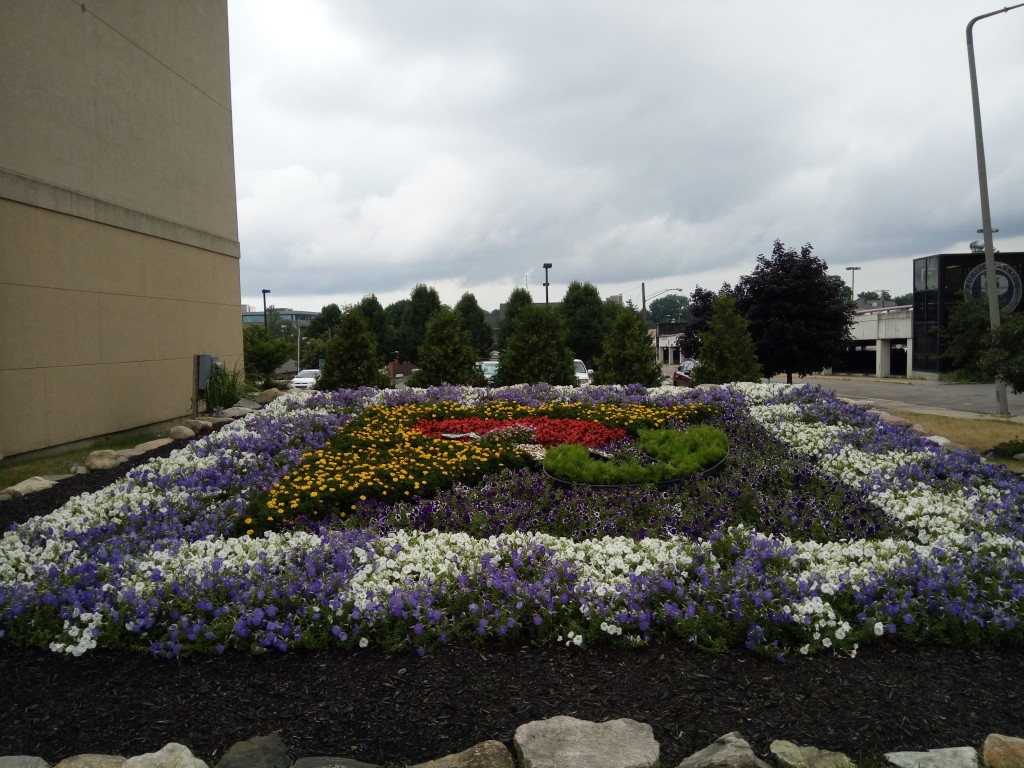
{"x": 1008, "y": 285}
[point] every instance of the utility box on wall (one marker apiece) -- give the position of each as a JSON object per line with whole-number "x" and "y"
{"x": 204, "y": 365}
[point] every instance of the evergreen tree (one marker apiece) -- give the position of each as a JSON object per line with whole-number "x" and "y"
{"x": 629, "y": 357}
{"x": 379, "y": 323}
{"x": 800, "y": 320}
{"x": 583, "y": 313}
{"x": 519, "y": 298}
{"x": 474, "y": 322}
{"x": 352, "y": 359}
{"x": 536, "y": 350}
{"x": 264, "y": 353}
{"x": 423, "y": 303}
{"x": 447, "y": 355}
{"x": 727, "y": 348}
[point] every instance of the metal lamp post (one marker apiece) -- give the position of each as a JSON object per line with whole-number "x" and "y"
{"x": 853, "y": 275}
{"x": 547, "y": 266}
{"x": 986, "y": 215}
{"x": 265, "y": 292}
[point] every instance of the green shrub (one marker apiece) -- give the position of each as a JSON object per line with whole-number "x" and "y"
{"x": 1008, "y": 449}
{"x": 675, "y": 455}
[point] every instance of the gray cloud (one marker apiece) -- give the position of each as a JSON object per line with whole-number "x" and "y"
{"x": 462, "y": 144}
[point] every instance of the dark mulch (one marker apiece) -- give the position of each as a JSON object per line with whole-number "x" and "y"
{"x": 382, "y": 707}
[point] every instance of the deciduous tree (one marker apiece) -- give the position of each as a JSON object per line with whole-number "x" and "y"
{"x": 800, "y": 320}
{"x": 1002, "y": 355}
{"x": 264, "y": 353}
{"x": 423, "y": 303}
{"x": 674, "y": 308}
{"x": 519, "y": 298}
{"x": 474, "y": 322}
{"x": 700, "y": 305}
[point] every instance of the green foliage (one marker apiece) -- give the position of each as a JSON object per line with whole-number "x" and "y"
{"x": 380, "y": 325}
{"x": 629, "y": 357}
{"x": 423, "y": 304}
{"x": 800, "y": 319}
{"x": 728, "y": 350}
{"x": 352, "y": 359}
{"x": 536, "y": 350}
{"x": 964, "y": 336}
{"x": 225, "y": 388}
{"x": 519, "y": 298}
{"x": 323, "y": 322}
{"x": 1008, "y": 449}
{"x": 1002, "y": 355}
{"x": 313, "y": 351}
{"x": 701, "y": 304}
{"x": 677, "y": 454}
{"x": 674, "y": 308}
{"x": 447, "y": 355}
{"x": 583, "y": 314}
{"x": 474, "y": 322}
{"x": 264, "y": 353}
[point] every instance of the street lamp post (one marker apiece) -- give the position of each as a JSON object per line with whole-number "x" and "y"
{"x": 547, "y": 266}
{"x": 657, "y": 333}
{"x": 853, "y": 275}
{"x": 265, "y": 292}
{"x": 986, "y": 214}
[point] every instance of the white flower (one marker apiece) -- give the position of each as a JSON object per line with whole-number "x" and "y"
{"x": 363, "y": 642}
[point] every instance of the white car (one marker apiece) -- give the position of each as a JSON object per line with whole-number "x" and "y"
{"x": 582, "y": 372}
{"x": 305, "y": 379}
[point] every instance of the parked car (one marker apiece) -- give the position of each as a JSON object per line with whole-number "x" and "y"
{"x": 489, "y": 368}
{"x": 683, "y": 375}
{"x": 582, "y": 372}
{"x": 305, "y": 379}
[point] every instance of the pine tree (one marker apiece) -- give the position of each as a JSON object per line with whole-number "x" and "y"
{"x": 474, "y": 321}
{"x": 352, "y": 359}
{"x": 447, "y": 355}
{"x": 536, "y": 350}
{"x": 629, "y": 357}
{"x": 727, "y": 348}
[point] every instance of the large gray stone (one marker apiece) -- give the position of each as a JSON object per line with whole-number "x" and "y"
{"x": 268, "y": 396}
{"x": 487, "y": 754}
{"x": 236, "y": 412}
{"x": 130, "y": 453}
{"x": 179, "y": 432}
{"x": 565, "y": 742}
{"x": 103, "y": 459}
{"x": 252, "y": 405}
{"x": 23, "y": 761}
{"x": 789, "y": 755}
{"x": 199, "y": 425}
{"x": 950, "y": 757}
{"x": 171, "y": 756}
{"x": 728, "y": 751}
{"x": 1000, "y": 751}
{"x": 31, "y": 485}
{"x": 331, "y": 762}
{"x": 92, "y": 761}
{"x": 258, "y": 752}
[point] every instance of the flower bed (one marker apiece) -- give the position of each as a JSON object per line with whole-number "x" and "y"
{"x": 825, "y": 529}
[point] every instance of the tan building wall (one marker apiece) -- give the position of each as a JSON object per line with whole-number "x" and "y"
{"x": 119, "y": 256}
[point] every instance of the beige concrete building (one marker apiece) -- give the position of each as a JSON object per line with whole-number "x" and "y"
{"x": 119, "y": 255}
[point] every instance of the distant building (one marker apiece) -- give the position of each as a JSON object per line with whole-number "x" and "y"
{"x": 117, "y": 206}
{"x": 287, "y": 315}
{"x": 940, "y": 283}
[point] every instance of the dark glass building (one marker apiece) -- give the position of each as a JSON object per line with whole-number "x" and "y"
{"x": 941, "y": 282}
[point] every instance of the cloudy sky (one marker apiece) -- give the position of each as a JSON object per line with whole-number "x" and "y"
{"x": 463, "y": 143}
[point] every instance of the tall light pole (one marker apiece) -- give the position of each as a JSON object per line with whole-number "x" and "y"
{"x": 986, "y": 214}
{"x": 853, "y": 275}
{"x": 547, "y": 266}
{"x": 265, "y": 292}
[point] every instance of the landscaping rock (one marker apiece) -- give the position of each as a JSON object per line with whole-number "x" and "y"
{"x": 1018, "y": 457}
{"x": 789, "y": 755}
{"x": 79, "y": 469}
{"x": 199, "y": 425}
{"x": 939, "y": 440}
{"x": 329, "y": 762}
{"x": 152, "y": 445}
{"x": 258, "y": 752}
{"x": 888, "y": 418}
{"x": 31, "y": 485}
{"x": 487, "y": 754}
{"x": 103, "y": 459}
{"x": 171, "y": 756}
{"x": 565, "y": 741}
{"x": 252, "y": 405}
{"x": 236, "y": 412}
{"x": 180, "y": 432}
{"x": 129, "y": 453}
{"x": 23, "y": 761}
{"x": 951, "y": 757}
{"x": 268, "y": 396}
{"x": 1001, "y": 751}
{"x": 728, "y": 751}
{"x": 92, "y": 761}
